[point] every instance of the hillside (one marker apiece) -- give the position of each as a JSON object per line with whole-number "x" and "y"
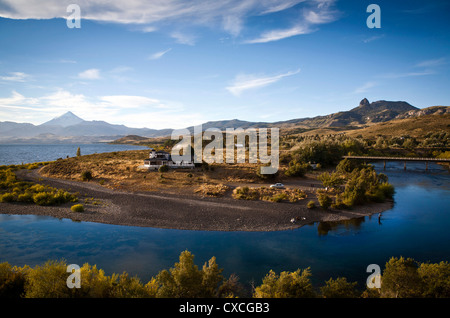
{"x": 416, "y": 127}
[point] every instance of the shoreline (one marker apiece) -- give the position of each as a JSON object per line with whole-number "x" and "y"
{"x": 172, "y": 210}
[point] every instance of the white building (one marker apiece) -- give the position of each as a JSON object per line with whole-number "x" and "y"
{"x": 158, "y": 159}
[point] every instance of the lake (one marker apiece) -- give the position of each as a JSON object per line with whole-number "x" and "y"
{"x": 417, "y": 226}
{"x": 20, "y": 153}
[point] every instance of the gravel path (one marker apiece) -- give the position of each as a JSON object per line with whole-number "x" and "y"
{"x": 179, "y": 211}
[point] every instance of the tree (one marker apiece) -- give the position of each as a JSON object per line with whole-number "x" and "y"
{"x": 331, "y": 180}
{"x": 78, "y": 152}
{"x": 401, "y": 279}
{"x": 339, "y": 288}
{"x": 286, "y": 285}
{"x": 185, "y": 280}
{"x": 12, "y": 281}
{"x": 48, "y": 281}
{"x": 435, "y": 279}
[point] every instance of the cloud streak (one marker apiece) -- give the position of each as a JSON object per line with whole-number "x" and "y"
{"x": 90, "y": 74}
{"x": 158, "y": 55}
{"x": 318, "y": 12}
{"x": 245, "y": 82}
{"x": 227, "y": 14}
{"x": 15, "y": 77}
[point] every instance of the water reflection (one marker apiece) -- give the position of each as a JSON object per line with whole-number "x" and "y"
{"x": 349, "y": 225}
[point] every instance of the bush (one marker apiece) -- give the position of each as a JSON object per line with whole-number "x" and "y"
{"x": 296, "y": 169}
{"x": 163, "y": 168}
{"x": 286, "y": 285}
{"x": 25, "y": 197}
{"x": 7, "y": 197}
{"x": 387, "y": 189}
{"x": 86, "y": 175}
{"x": 12, "y": 281}
{"x": 77, "y": 208}
{"x": 324, "y": 200}
{"x": 311, "y": 204}
{"x": 339, "y": 288}
{"x": 43, "y": 198}
{"x": 278, "y": 197}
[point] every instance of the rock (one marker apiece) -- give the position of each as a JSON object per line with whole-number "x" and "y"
{"x": 364, "y": 102}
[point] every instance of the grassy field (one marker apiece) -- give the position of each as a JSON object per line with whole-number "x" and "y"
{"x": 121, "y": 170}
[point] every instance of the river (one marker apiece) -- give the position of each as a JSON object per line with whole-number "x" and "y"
{"x": 417, "y": 227}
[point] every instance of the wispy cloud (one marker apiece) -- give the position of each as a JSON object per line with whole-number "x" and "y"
{"x": 90, "y": 74}
{"x": 183, "y": 38}
{"x": 244, "y": 82}
{"x": 281, "y": 6}
{"x": 275, "y": 35}
{"x": 432, "y": 62}
{"x": 158, "y": 55}
{"x": 229, "y": 15}
{"x": 15, "y": 77}
{"x": 365, "y": 87}
{"x": 320, "y": 12}
{"x": 373, "y": 38}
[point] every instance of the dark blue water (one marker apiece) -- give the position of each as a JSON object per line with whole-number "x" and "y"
{"x": 18, "y": 154}
{"x": 417, "y": 227}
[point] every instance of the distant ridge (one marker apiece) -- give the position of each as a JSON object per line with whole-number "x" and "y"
{"x": 71, "y": 128}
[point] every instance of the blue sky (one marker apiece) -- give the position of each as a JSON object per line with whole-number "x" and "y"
{"x": 174, "y": 63}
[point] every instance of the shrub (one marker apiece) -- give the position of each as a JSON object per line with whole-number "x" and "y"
{"x": 214, "y": 190}
{"x": 286, "y": 285}
{"x": 296, "y": 169}
{"x": 278, "y": 197}
{"x": 47, "y": 281}
{"x": 77, "y": 208}
{"x": 163, "y": 168}
{"x": 43, "y": 198}
{"x": 86, "y": 175}
{"x": 12, "y": 281}
{"x": 25, "y": 197}
{"x": 7, "y": 197}
{"x": 324, "y": 200}
{"x": 387, "y": 189}
{"x": 339, "y": 288}
{"x": 332, "y": 180}
{"x": 311, "y": 204}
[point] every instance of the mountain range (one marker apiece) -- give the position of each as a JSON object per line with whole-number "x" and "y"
{"x": 71, "y": 128}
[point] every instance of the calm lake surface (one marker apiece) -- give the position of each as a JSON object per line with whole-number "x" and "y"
{"x": 417, "y": 226}
{"x": 20, "y": 153}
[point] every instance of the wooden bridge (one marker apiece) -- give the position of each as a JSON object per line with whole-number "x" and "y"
{"x": 404, "y": 159}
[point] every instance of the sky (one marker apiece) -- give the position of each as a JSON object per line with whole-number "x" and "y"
{"x": 176, "y": 63}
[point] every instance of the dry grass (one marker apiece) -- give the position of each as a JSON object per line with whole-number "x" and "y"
{"x": 415, "y": 127}
{"x": 212, "y": 190}
{"x": 121, "y": 170}
{"x": 268, "y": 194}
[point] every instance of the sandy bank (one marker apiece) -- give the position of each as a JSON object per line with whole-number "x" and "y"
{"x": 181, "y": 211}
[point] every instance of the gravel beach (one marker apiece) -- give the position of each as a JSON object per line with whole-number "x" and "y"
{"x": 174, "y": 210}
